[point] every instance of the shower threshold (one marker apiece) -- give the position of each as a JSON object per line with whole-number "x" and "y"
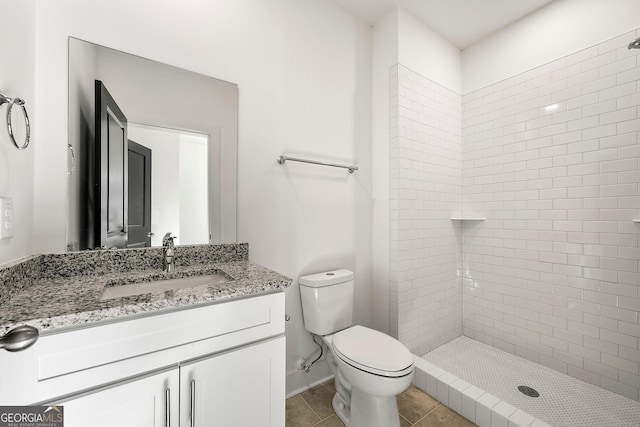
{"x": 481, "y": 383}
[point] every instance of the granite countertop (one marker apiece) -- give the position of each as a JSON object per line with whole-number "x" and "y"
{"x": 72, "y": 300}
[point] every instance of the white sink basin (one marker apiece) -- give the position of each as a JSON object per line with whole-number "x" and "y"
{"x": 141, "y": 288}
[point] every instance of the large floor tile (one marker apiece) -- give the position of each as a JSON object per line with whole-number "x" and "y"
{"x": 299, "y": 413}
{"x": 443, "y": 417}
{"x": 413, "y": 404}
{"x": 416, "y": 408}
{"x": 320, "y": 398}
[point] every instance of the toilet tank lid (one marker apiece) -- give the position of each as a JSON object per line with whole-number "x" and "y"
{"x": 326, "y": 278}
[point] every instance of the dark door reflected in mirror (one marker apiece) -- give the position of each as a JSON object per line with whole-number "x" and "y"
{"x": 179, "y": 189}
{"x": 162, "y": 159}
{"x": 110, "y": 182}
{"x": 139, "y": 199}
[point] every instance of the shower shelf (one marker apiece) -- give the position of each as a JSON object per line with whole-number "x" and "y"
{"x": 467, "y": 218}
{"x": 635, "y": 220}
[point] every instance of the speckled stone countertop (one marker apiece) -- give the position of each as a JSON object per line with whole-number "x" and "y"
{"x": 63, "y": 290}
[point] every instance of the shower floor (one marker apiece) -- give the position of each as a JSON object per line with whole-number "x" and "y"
{"x": 563, "y": 400}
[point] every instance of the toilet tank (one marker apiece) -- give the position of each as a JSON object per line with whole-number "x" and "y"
{"x": 327, "y": 301}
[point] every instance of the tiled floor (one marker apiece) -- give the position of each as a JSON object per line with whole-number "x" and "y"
{"x": 313, "y": 408}
{"x": 564, "y": 401}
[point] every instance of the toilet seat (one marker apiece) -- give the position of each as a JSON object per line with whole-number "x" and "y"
{"x": 372, "y": 351}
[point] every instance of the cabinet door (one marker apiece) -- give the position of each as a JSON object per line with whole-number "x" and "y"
{"x": 143, "y": 402}
{"x": 241, "y": 388}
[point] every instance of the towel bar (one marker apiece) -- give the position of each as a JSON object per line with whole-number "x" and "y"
{"x": 283, "y": 159}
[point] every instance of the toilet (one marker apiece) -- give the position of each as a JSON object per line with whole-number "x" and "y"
{"x": 370, "y": 367}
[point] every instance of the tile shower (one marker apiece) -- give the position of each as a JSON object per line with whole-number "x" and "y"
{"x": 550, "y": 160}
{"x": 425, "y": 188}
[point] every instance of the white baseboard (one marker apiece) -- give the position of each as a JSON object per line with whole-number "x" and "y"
{"x": 299, "y": 381}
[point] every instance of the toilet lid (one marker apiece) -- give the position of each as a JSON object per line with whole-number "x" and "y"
{"x": 373, "y": 351}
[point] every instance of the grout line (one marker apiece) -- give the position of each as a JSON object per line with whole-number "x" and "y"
{"x": 428, "y": 413}
{"x": 321, "y": 421}
{"x": 405, "y": 418}
{"x": 312, "y": 410}
{"x": 315, "y": 412}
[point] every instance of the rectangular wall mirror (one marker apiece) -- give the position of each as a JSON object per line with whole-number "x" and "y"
{"x": 152, "y": 150}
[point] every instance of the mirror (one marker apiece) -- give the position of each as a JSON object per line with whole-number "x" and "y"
{"x": 178, "y": 201}
{"x": 185, "y": 122}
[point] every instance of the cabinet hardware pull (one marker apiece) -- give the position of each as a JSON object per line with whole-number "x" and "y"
{"x": 193, "y": 403}
{"x": 167, "y": 407}
{"x": 20, "y": 338}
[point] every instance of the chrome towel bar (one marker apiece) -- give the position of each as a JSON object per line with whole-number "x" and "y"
{"x": 20, "y": 102}
{"x": 283, "y": 159}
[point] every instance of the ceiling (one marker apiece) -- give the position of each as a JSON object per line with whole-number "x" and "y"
{"x": 462, "y": 22}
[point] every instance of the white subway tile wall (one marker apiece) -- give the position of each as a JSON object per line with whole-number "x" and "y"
{"x": 426, "y": 188}
{"x": 551, "y": 159}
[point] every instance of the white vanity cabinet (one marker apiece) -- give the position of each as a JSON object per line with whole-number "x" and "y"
{"x": 239, "y": 388}
{"x": 144, "y": 402}
{"x": 224, "y": 363}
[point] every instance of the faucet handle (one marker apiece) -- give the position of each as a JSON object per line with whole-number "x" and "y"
{"x": 168, "y": 252}
{"x": 167, "y": 240}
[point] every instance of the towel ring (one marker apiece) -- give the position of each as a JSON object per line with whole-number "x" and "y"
{"x": 12, "y": 101}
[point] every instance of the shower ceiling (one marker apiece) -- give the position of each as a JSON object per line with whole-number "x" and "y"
{"x": 462, "y": 22}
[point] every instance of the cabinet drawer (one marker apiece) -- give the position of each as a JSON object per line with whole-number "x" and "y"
{"x": 63, "y": 363}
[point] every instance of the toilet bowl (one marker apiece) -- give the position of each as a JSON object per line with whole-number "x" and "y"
{"x": 370, "y": 367}
{"x": 377, "y": 368}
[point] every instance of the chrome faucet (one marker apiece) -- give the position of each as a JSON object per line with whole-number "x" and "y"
{"x": 168, "y": 252}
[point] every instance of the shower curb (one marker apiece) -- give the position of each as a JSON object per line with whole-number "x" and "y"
{"x": 471, "y": 402}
